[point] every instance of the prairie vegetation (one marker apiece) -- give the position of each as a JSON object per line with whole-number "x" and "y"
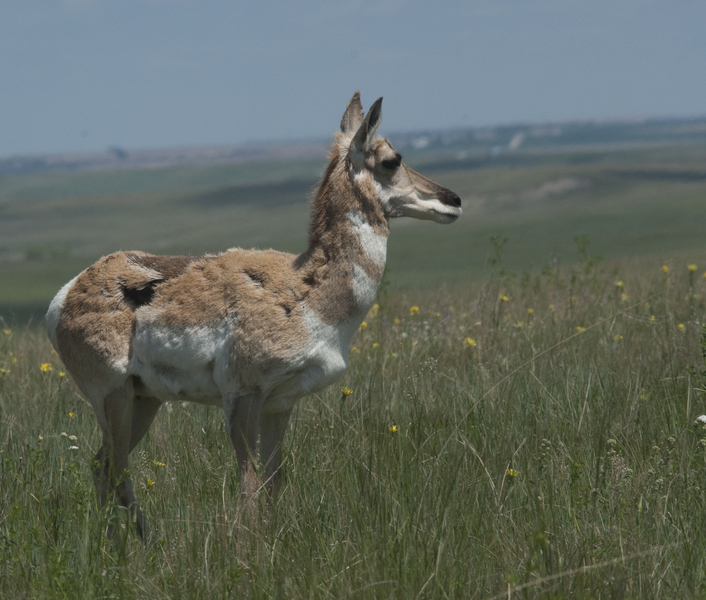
{"x": 532, "y": 435}
{"x": 518, "y": 418}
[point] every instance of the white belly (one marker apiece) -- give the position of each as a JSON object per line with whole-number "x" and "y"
{"x": 180, "y": 364}
{"x": 192, "y": 364}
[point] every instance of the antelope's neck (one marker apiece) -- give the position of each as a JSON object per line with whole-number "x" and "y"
{"x": 347, "y": 250}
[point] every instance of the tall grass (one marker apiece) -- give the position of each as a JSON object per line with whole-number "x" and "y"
{"x": 532, "y": 436}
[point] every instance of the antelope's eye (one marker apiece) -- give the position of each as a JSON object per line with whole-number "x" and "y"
{"x": 391, "y": 163}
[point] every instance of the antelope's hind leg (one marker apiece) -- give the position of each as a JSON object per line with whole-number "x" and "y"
{"x": 272, "y": 429}
{"x": 126, "y": 420}
{"x": 144, "y": 410}
{"x": 243, "y": 421}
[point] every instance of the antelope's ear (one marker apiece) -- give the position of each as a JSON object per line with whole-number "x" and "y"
{"x": 368, "y": 127}
{"x": 353, "y": 116}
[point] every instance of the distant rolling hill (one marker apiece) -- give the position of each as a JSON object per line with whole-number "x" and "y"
{"x": 635, "y": 189}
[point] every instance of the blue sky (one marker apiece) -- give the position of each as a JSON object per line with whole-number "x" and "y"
{"x": 84, "y": 75}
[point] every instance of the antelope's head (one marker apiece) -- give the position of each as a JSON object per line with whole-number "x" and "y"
{"x": 375, "y": 165}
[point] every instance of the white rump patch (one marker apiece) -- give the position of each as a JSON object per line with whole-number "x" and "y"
{"x": 54, "y": 313}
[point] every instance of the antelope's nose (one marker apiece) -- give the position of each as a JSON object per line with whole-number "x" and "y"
{"x": 451, "y": 199}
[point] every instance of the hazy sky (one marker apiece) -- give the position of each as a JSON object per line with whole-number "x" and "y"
{"x": 82, "y": 75}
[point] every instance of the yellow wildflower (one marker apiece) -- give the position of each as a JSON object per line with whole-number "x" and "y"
{"x": 150, "y": 483}
{"x": 692, "y": 268}
{"x": 7, "y": 331}
{"x": 346, "y": 391}
{"x": 363, "y": 325}
{"x": 62, "y": 374}
{"x": 552, "y": 307}
{"x": 392, "y": 428}
{"x": 4, "y": 371}
{"x": 158, "y": 464}
{"x": 397, "y": 321}
{"x": 470, "y": 343}
{"x": 580, "y": 329}
{"x": 72, "y": 415}
{"x": 530, "y": 311}
{"x": 617, "y": 337}
{"x": 681, "y": 327}
{"x": 665, "y": 268}
{"x": 512, "y": 472}
{"x": 619, "y": 285}
{"x": 375, "y": 345}
{"x": 624, "y": 297}
{"x": 437, "y": 314}
{"x": 374, "y": 311}
{"x": 413, "y": 311}
{"x": 355, "y": 350}
{"x": 393, "y": 354}
{"x": 503, "y": 298}
{"x": 46, "y": 367}
{"x": 653, "y": 318}
{"x": 40, "y": 437}
{"x": 520, "y": 324}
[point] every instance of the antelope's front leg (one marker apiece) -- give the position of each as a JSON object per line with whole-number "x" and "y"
{"x": 243, "y": 421}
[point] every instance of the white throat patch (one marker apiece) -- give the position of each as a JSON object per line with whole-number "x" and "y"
{"x": 364, "y": 289}
{"x": 374, "y": 245}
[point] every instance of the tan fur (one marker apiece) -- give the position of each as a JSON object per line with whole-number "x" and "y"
{"x": 249, "y": 330}
{"x": 96, "y": 324}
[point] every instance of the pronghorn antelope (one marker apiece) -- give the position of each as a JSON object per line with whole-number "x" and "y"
{"x": 251, "y": 331}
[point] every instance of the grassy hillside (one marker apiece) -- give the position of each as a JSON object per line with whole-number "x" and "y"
{"x": 647, "y": 203}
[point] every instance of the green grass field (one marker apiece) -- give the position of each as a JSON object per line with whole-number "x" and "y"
{"x": 523, "y": 415}
{"x": 522, "y": 437}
